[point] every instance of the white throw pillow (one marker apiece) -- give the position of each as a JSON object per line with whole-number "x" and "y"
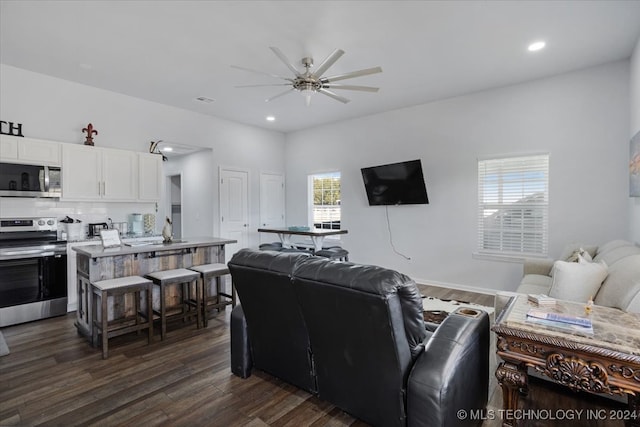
{"x": 577, "y": 281}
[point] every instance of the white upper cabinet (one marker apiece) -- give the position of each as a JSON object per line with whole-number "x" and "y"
{"x": 81, "y": 172}
{"x": 29, "y": 151}
{"x": 92, "y": 173}
{"x": 8, "y": 148}
{"x": 119, "y": 175}
{"x": 149, "y": 177}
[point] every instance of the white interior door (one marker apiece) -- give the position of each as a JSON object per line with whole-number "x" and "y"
{"x": 234, "y": 210}
{"x": 272, "y": 206}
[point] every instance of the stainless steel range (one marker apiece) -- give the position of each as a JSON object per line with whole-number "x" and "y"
{"x": 33, "y": 270}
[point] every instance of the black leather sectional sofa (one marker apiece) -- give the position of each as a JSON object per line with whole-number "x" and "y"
{"x": 354, "y": 336}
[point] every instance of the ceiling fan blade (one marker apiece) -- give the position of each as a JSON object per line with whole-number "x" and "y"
{"x": 284, "y": 59}
{"x": 352, "y": 74}
{"x": 334, "y": 96}
{"x": 262, "y": 72}
{"x": 279, "y": 95}
{"x": 331, "y": 59}
{"x": 277, "y": 84}
{"x": 351, "y": 87}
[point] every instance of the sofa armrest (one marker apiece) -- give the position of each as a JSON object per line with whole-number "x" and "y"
{"x": 241, "y": 360}
{"x": 451, "y": 374}
{"x": 537, "y": 266}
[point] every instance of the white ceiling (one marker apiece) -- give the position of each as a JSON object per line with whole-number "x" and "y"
{"x": 174, "y": 51}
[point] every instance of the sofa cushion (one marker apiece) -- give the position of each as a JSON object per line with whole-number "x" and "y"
{"x": 615, "y": 254}
{"x": 577, "y": 281}
{"x": 612, "y": 245}
{"x": 535, "y": 284}
{"x": 622, "y": 284}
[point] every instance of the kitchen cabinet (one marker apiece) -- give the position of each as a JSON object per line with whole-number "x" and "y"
{"x": 29, "y": 151}
{"x": 149, "y": 177}
{"x": 91, "y": 173}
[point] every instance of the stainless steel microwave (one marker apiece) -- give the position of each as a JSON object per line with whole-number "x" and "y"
{"x": 18, "y": 180}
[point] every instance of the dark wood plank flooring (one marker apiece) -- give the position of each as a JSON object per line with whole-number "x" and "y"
{"x": 53, "y": 377}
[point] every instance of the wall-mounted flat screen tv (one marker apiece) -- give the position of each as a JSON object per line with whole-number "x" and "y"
{"x": 395, "y": 184}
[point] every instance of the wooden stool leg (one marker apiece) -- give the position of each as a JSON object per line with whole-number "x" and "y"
{"x": 198, "y": 302}
{"x": 218, "y": 292}
{"x": 105, "y": 328}
{"x": 203, "y": 300}
{"x": 136, "y": 296}
{"x": 94, "y": 320}
{"x": 149, "y": 291}
{"x": 163, "y": 317}
{"x": 184, "y": 296}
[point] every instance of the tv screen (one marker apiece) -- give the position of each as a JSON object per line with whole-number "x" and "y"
{"x": 395, "y": 184}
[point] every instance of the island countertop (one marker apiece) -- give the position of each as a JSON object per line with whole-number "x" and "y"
{"x": 98, "y": 251}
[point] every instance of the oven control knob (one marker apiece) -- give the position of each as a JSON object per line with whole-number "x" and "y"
{"x": 41, "y": 222}
{"x": 50, "y": 222}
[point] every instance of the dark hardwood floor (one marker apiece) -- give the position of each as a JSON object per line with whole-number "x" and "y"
{"x": 53, "y": 377}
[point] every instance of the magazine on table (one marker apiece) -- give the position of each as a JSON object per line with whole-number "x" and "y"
{"x": 562, "y": 321}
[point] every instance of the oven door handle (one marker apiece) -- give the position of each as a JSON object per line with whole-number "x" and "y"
{"x": 12, "y": 255}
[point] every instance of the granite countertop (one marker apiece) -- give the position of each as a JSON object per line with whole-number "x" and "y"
{"x": 98, "y": 251}
{"x": 125, "y": 238}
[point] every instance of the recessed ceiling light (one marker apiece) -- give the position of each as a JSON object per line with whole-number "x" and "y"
{"x": 166, "y": 149}
{"x": 536, "y": 46}
{"x": 204, "y": 99}
{"x": 270, "y": 118}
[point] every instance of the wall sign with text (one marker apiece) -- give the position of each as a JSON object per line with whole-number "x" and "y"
{"x": 10, "y": 128}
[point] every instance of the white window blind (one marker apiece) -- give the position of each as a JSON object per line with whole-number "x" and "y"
{"x": 513, "y": 205}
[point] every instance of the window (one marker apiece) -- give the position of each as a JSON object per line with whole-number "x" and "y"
{"x": 513, "y": 204}
{"x": 325, "y": 200}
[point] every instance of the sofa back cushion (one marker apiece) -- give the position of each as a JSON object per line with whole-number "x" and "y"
{"x": 276, "y": 329}
{"x": 366, "y": 327}
{"x": 622, "y": 285}
{"x": 616, "y": 250}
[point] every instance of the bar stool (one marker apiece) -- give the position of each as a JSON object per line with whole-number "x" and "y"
{"x": 334, "y": 253}
{"x": 188, "y": 280}
{"x": 214, "y": 271}
{"x": 275, "y": 246}
{"x": 104, "y": 289}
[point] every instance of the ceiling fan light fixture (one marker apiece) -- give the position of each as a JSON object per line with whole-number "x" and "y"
{"x": 307, "y": 83}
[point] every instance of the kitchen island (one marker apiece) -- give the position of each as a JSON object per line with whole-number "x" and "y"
{"x": 96, "y": 262}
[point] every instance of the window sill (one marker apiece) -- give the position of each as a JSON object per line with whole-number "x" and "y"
{"x": 513, "y": 258}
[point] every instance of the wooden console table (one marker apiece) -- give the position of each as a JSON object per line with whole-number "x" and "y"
{"x": 606, "y": 361}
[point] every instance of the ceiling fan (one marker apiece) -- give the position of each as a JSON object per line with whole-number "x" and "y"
{"x": 309, "y": 82}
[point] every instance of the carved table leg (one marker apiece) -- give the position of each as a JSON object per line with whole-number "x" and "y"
{"x": 513, "y": 379}
{"x": 634, "y": 409}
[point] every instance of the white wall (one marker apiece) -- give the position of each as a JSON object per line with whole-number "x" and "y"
{"x": 634, "y": 202}
{"x": 198, "y": 185}
{"x": 579, "y": 118}
{"x": 55, "y": 109}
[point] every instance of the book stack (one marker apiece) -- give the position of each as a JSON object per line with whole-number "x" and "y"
{"x": 542, "y": 299}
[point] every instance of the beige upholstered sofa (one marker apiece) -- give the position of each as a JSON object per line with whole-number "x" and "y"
{"x": 610, "y": 273}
